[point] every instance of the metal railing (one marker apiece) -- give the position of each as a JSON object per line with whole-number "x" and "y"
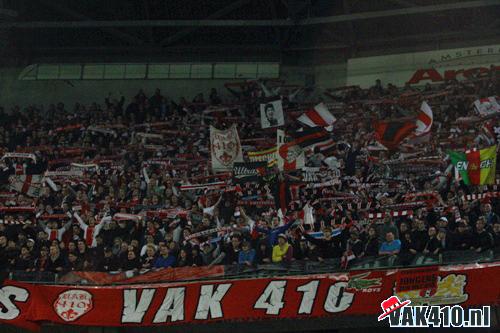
{"x": 301, "y": 267}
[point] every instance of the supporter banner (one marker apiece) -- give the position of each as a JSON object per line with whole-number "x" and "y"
{"x": 271, "y": 114}
{"x": 18, "y": 209}
{"x": 316, "y": 174}
{"x": 127, "y": 217}
{"x": 19, "y": 155}
{"x": 424, "y": 120}
{"x": 208, "y": 232}
{"x": 417, "y": 279}
{"x": 7, "y": 195}
{"x": 249, "y": 171}
{"x": 69, "y": 128}
{"x": 269, "y": 203}
{"x": 299, "y": 297}
{"x": 84, "y": 167}
{"x": 206, "y": 186}
{"x": 487, "y": 106}
{"x": 290, "y": 155}
{"x": 317, "y": 116}
{"x": 69, "y": 173}
{"x": 102, "y": 130}
{"x": 157, "y": 162}
{"x": 476, "y": 167}
{"x": 496, "y": 131}
{"x": 390, "y": 134}
{"x": 225, "y": 148}
{"x": 268, "y": 155}
{"x": 30, "y": 185}
{"x": 16, "y": 222}
{"x": 154, "y": 147}
{"x": 394, "y": 213}
{"x": 480, "y": 196}
{"x": 327, "y": 184}
{"x": 167, "y": 213}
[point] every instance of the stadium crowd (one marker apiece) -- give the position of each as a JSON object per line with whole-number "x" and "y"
{"x": 126, "y": 185}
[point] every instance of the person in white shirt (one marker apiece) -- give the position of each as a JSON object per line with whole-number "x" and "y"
{"x": 52, "y": 230}
{"x": 210, "y": 210}
{"x": 91, "y": 230}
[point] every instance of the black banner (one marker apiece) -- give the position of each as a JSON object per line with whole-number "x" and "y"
{"x": 249, "y": 171}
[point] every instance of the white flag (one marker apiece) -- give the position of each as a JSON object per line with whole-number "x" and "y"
{"x": 319, "y": 116}
{"x": 424, "y": 120}
{"x": 487, "y": 106}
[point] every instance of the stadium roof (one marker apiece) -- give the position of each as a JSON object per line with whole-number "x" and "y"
{"x": 150, "y": 27}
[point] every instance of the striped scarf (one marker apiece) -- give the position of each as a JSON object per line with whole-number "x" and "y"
{"x": 394, "y": 213}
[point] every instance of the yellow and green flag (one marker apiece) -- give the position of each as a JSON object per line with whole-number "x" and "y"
{"x": 476, "y": 167}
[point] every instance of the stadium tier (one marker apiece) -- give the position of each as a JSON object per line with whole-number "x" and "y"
{"x": 300, "y": 173}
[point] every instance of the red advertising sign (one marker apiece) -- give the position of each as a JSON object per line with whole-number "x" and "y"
{"x": 433, "y": 75}
{"x": 356, "y": 292}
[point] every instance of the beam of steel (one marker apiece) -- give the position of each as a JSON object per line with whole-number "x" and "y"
{"x": 156, "y": 51}
{"x": 218, "y": 14}
{"x": 251, "y": 23}
{"x": 487, "y": 37}
{"x": 147, "y": 14}
{"x": 277, "y": 32}
{"x": 350, "y": 25}
{"x": 490, "y": 33}
{"x": 76, "y": 15}
{"x": 486, "y": 34}
{"x": 402, "y": 11}
{"x": 376, "y": 42}
{"x": 321, "y": 46}
{"x": 403, "y": 3}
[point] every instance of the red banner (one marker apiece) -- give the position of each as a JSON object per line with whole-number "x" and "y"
{"x": 153, "y": 276}
{"x": 300, "y": 297}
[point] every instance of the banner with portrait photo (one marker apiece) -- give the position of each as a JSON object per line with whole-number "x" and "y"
{"x": 271, "y": 114}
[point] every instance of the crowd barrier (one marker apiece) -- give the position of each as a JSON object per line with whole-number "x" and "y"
{"x": 297, "y": 267}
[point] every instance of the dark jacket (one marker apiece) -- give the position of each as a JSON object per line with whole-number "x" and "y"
{"x": 331, "y": 248}
{"x": 483, "y": 240}
{"x": 433, "y": 244}
{"x": 371, "y": 247}
{"x": 419, "y": 240}
{"x": 461, "y": 241}
{"x": 108, "y": 264}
